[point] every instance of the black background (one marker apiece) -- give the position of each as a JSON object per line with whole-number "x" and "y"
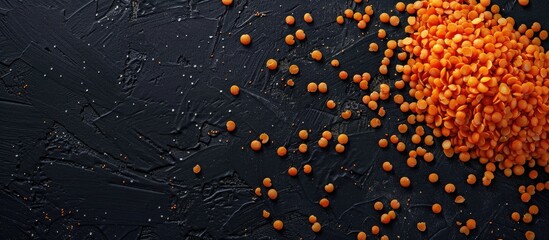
{"x": 105, "y": 107}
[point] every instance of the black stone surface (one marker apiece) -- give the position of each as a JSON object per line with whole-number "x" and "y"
{"x": 105, "y": 107}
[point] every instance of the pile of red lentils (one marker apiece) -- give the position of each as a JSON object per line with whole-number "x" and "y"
{"x": 476, "y": 80}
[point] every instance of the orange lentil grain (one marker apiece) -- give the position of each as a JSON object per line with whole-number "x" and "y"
{"x": 343, "y": 75}
{"x": 308, "y": 18}
{"x": 429, "y": 140}
{"x": 375, "y": 122}
{"x": 324, "y": 202}
{"x": 416, "y": 139}
{"x": 329, "y": 188}
{"x": 394, "y": 21}
{"x": 366, "y": 76}
{"x": 373, "y": 47}
{"x": 255, "y": 145}
{"x": 525, "y": 197}
{"x": 529, "y": 235}
{"x": 449, "y": 188}
{"x": 366, "y": 99}
{"x": 327, "y": 135}
{"x": 302, "y": 148}
{"x": 348, "y": 13}
{"x": 316, "y": 55}
{"x": 543, "y": 35}
{"x": 289, "y": 39}
{"x": 271, "y": 64}
{"x": 369, "y": 10}
{"x": 323, "y": 87}
{"x": 290, "y": 20}
{"x": 378, "y": 206}
{"x": 400, "y": 6}
{"x": 383, "y": 69}
{"x": 394, "y": 139}
{"x": 197, "y": 169}
{"x": 230, "y": 125}
{"x": 340, "y": 20}
{"x": 436, "y": 208}
{"x": 402, "y": 57}
{"x": 405, "y": 182}
{"x": 303, "y": 134}
{"x": 395, "y": 204}
{"x": 421, "y": 151}
{"x": 421, "y": 226}
{"x": 411, "y": 162}
{"x": 385, "y": 218}
{"x": 292, "y": 171}
{"x": 402, "y": 128}
{"x": 374, "y": 96}
{"x": 316, "y": 227}
{"x": 392, "y": 214}
{"x": 384, "y": 17}
{"x": 334, "y": 63}
{"x": 383, "y": 143}
{"x": 330, "y": 104}
{"x": 312, "y": 87}
{"x": 343, "y": 138}
{"x": 346, "y": 114}
{"x": 300, "y": 35}
{"x": 515, "y": 216}
{"x": 428, "y": 157}
{"x": 471, "y": 179}
{"x": 264, "y": 138}
{"x": 339, "y": 148}
{"x": 272, "y": 194}
{"x": 278, "y": 225}
{"x": 381, "y": 34}
{"x": 375, "y": 230}
{"x": 540, "y": 186}
{"x": 522, "y": 189}
{"x": 293, "y": 69}
{"x": 362, "y": 24}
{"x": 533, "y": 174}
{"x": 245, "y": 39}
{"x": 281, "y": 151}
{"x": 267, "y": 182}
{"x": 471, "y": 224}
{"x": 323, "y": 142}
{"x": 464, "y": 230}
{"x": 533, "y": 209}
{"x": 357, "y": 16}
{"x": 357, "y": 78}
{"x": 530, "y": 189}
{"x": 527, "y": 218}
{"x": 372, "y": 105}
{"x": 459, "y": 199}
{"x": 235, "y": 90}
{"x": 401, "y": 147}
{"x": 387, "y": 166}
{"x": 312, "y": 219}
{"x": 361, "y": 236}
{"x": 307, "y": 169}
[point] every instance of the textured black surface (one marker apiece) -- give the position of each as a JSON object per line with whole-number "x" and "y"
{"x": 105, "y": 106}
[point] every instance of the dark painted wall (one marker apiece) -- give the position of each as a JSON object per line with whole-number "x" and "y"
{"x": 105, "y": 106}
